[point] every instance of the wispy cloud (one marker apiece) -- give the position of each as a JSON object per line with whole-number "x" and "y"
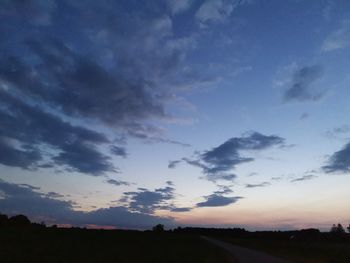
{"x": 117, "y": 182}
{"x": 263, "y": 184}
{"x": 179, "y": 6}
{"x": 338, "y": 39}
{"x": 304, "y": 178}
{"x": 216, "y": 11}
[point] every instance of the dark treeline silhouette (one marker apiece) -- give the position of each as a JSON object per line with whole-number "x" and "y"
{"x": 24, "y": 241}
{"x": 337, "y": 232}
{"x": 18, "y": 221}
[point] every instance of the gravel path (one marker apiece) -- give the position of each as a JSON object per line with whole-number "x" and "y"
{"x": 245, "y": 255}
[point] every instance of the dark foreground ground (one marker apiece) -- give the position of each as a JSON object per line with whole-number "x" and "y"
{"x": 79, "y": 245}
{"x": 23, "y": 241}
{"x": 304, "y": 246}
{"x": 298, "y": 251}
{"x": 245, "y": 255}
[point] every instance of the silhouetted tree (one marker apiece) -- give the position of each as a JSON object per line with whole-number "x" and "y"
{"x": 158, "y": 228}
{"x": 337, "y": 229}
{"x": 3, "y": 220}
{"x": 348, "y": 228}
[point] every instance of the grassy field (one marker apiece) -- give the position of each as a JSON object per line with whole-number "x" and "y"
{"x": 299, "y": 251}
{"x": 78, "y": 245}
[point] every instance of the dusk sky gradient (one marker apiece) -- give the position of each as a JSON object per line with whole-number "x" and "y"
{"x": 126, "y": 114}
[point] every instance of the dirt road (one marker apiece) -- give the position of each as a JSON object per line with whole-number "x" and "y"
{"x": 245, "y": 255}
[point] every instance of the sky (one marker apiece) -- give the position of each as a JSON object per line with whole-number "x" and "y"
{"x": 216, "y": 113}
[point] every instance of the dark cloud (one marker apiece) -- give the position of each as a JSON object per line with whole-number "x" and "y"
{"x": 170, "y": 183}
{"x": 97, "y": 93}
{"x": 173, "y": 164}
{"x": 226, "y": 156}
{"x": 304, "y": 178}
{"x": 53, "y": 195}
{"x": 118, "y": 151}
{"x": 27, "y": 132}
{"x": 221, "y": 176}
{"x": 216, "y": 163}
{"x": 122, "y": 217}
{"x": 263, "y": 184}
{"x": 84, "y": 158}
{"x": 11, "y": 156}
{"x": 300, "y": 89}
{"x": 117, "y": 182}
{"x": 38, "y": 206}
{"x": 223, "y": 189}
{"x": 100, "y": 75}
{"x": 339, "y": 161}
{"x": 146, "y": 201}
{"x": 181, "y": 209}
{"x": 218, "y": 200}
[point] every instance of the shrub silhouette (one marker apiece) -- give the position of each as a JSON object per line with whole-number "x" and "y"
{"x": 19, "y": 221}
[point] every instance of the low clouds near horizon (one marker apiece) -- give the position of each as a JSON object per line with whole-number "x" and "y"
{"x": 22, "y": 199}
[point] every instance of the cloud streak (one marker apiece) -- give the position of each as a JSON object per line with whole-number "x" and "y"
{"x": 263, "y": 184}
{"x": 304, "y": 178}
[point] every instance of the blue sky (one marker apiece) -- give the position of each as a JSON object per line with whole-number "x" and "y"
{"x": 188, "y": 112}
